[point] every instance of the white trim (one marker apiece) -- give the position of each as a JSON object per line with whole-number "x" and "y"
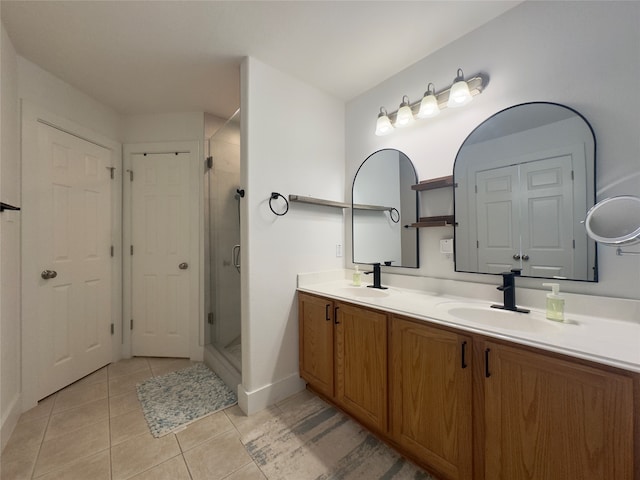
{"x": 261, "y": 398}
{"x": 196, "y": 244}
{"x": 10, "y": 420}
{"x": 31, "y": 116}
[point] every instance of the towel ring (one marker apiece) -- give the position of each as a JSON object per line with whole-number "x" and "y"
{"x": 274, "y": 196}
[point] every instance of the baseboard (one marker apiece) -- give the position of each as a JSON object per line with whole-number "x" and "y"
{"x": 261, "y": 398}
{"x": 9, "y": 420}
{"x": 229, "y": 375}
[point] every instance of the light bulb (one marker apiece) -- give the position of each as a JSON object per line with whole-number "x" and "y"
{"x": 459, "y": 93}
{"x": 429, "y": 104}
{"x": 383, "y": 124}
{"x": 404, "y": 117}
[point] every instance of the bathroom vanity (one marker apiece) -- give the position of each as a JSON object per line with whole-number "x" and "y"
{"x": 471, "y": 393}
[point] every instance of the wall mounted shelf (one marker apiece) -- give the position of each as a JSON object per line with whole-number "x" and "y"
{"x": 333, "y": 203}
{"x": 433, "y": 183}
{"x": 437, "y": 220}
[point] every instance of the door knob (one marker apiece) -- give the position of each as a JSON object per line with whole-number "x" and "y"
{"x": 516, "y": 257}
{"x": 183, "y": 266}
{"x": 525, "y": 257}
{"x": 47, "y": 274}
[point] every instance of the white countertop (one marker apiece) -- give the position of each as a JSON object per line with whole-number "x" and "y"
{"x": 607, "y": 341}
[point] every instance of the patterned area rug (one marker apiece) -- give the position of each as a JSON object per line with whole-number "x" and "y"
{"x": 179, "y": 398}
{"x": 313, "y": 440}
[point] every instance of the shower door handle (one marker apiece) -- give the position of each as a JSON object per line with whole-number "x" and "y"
{"x": 235, "y": 254}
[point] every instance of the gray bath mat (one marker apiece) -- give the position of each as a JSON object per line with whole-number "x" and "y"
{"x": 179, "y": 398}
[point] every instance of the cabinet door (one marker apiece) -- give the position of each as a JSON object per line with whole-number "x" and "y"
{"x": 430, "y": 394}
{"x": 361, "y": 364}
{"x": 550, "y": 419}
{"x": 315, "y": 316}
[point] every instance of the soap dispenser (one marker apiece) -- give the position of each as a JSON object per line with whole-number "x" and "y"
{"x": 555, "y": 303}
{"x": 357, "y": 276}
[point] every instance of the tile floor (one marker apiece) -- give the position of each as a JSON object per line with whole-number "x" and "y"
{"x": 94, "y": 430}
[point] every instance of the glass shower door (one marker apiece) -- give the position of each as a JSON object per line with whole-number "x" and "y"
{"x": 225, "y": 253}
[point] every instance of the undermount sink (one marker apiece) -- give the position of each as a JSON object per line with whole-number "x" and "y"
{"x": 505, "y": 319}
{"x": 365, "y": 292}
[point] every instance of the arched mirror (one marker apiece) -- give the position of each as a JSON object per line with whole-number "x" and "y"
{"x": 382, "y": 204}
{"x": 525, "y": 179}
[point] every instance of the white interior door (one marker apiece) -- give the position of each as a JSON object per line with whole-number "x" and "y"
{"x": 498, "y": 219}
{"x": 161, "y": 235}
{"x": 547, "y": 217}
{"x": 73, "y": 293}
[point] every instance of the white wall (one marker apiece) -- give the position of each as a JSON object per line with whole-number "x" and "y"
{"x": 293, "y": 143}
{"x": 48, "y": 92}
{"x": 10, "y": 361}
{"x": 581, "y": 54}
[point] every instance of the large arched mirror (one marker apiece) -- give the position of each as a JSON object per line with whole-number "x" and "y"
{"x": 382, "y": 204}
{"x": 525, "y": 179}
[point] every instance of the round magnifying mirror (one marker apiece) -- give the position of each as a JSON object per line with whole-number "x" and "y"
{"x": 615, "y": 220}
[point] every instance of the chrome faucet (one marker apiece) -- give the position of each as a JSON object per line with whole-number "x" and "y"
{"x": 376, "y": 277}
{"x": 508, "y": 289}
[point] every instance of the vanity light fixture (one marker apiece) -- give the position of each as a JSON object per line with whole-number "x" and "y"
{"x": 404, "y": 117}
{"x": 460, "y": 93}
{"x": 383, "y": 125}
{"x": 429, "y": 104}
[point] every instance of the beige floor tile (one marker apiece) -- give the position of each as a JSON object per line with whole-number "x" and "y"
{"x": 203, "y": 429}
{"x": 19, "y": 455}
{"x": 43, "y": 409}
{"x": 245, "y": 424}
{"x": 128, "y": 366}
{"x": 141, "y": 453}
{"x": 95, "y": 467}
{"x": 17, "y": 465}
{"x": 121, "y": 404}
{"x": 127, "y": 383}
{"x": 65, "y": 449}
{"x": 217, "y": 458}
{"x": 174, "y": 469}
{"x": 171, "y": 367}
{"x": 127, "y": 426}
{"x": 27, "y": 436}
{"x": 295, "y": 400}
{"x": 69, "y": 420}
{"x": 98, "y": 376}
{"x": 157, "y": 362}
{"x": 248, "y": 472}
{"x": 76, "y": 395}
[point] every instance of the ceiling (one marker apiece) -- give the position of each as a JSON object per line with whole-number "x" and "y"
{"x": 175, "y": 56}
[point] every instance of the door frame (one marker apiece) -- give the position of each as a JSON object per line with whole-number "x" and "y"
{"x": 32, "y": 115}
{"x": 196, "y": 246}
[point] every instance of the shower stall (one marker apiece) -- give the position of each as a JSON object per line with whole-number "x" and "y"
{"x": 223, "y": 253}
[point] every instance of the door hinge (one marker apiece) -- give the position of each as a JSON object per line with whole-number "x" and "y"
{"x": 209, "y": 163}
{"x": 574, "y": 243}
{"x": 112, "y": 251}
{"x": 112, "y": 172}
{"x": 476, "y": 188}
{"x": 571, "y": 175}
{"x": 130, "y": 249}
{"x": 131, "y": 325}
{"x": 477, "y": 243}
{"x": 130, "y": 175}
{"x": 210, "y": 318}
{"x": 113, "y": 329}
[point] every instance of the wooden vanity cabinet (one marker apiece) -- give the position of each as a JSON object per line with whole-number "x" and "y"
{"x": 361, "y": 364}
{"x": 549, "y": 418}
{"x": 316, "y": 355}
{"x": 469, "y": 407}
{"x": 343, "y": 356}
{"x": 430, "y": 396}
